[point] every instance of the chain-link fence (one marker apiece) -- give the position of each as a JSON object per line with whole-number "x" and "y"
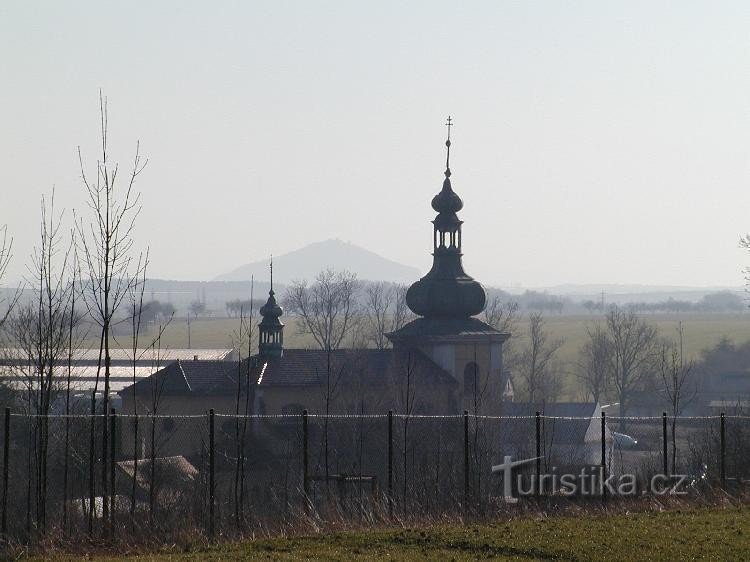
{"x": 224, "y": 474}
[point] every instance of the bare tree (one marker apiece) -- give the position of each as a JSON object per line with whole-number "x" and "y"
{"x": 501, "y": 315}
{"x": 243, "y": 336}
{"x": 197, "y": 308}
{"x": 249, "y": 399}
{"x": 156, "y": 392}
{"x": 376, "y": 309}
{"x": 137, "y": 308}
{"x": 384, "y": 310}
{"x": 633, "y": 352}
{"x": 408, "y": 399}
{"x": 534, "y": 364}
{"x": 745, "y": 243}
{"x": 327, "y": 309}
{"x": 41, "y": 330}
{"x": 328, "y": 312}
{"x": 75, "y": 340}
{"x": 105, "y": 247}
{"x": 677, "y": 382}
{"x": 593, "y": 362}
{"x": 402, "y": 314}
{"x": 6, "y": 253}
{"x": 333, "y": 377}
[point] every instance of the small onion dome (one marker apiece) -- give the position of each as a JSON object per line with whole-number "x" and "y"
{"x": 271, "y": 311}
{"x": 447, "y": 201}
{"x": 447, "y": 221}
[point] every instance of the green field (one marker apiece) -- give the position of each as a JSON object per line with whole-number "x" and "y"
{"x": 700, "y": 534}
{"x": 701, "y": 331}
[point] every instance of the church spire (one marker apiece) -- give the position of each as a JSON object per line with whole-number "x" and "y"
{"x": 271, "y": 329}
{"x": 446, "y": 291}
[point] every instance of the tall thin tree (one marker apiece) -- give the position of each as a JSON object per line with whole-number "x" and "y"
{"x": 106, "y": 249}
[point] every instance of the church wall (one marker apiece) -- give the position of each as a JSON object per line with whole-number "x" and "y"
{"x": 488, "y": 358}
{"x": 496, "y": 358}
{"x": 443, "y": 355}
{"x": 469, "y": 353}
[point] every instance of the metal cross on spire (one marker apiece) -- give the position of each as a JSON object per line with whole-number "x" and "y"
{"x": 271, "y": 267}
{"x": 449, "y": 124}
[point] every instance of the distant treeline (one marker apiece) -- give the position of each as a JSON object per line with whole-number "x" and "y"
{"x": 536, "y": 301}
{"x": 722, "y": 301}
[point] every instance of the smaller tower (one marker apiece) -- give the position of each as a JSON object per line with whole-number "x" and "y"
{"x": 271, "y": 329}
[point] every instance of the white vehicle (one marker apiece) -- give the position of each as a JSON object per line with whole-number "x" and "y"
{"x": 624, "y": 441}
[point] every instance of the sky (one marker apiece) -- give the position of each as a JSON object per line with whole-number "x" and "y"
{"x": 594, "y": 142}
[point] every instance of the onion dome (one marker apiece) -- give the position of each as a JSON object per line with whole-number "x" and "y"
{"x": 447, "y": 201}
{"x": 271, "y": 311}
{"x": 447, "y": 291}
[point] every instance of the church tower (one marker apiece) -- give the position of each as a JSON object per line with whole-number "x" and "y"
{"x": 447, "y": 300}
{"x": 271, "y": 329}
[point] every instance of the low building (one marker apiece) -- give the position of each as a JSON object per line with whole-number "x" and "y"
{"x": 726, "y": 391}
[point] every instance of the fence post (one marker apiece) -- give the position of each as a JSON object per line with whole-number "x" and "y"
{"x": 305, "y": 475}
{"x": 538, "y": 487}
{"x": 112, "y": 440}
{"x": 664, "y": 443}
{"x": 211, "y": 473}
{"x": 390, "y": 463}
{"x": 603, "y": 476}
{"x": 6, "y": 454}
{"x": 466, "y": 459}
{"x": 723, "y": 452}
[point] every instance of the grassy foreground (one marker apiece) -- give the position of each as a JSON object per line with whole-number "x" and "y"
{"x": 695, "y": 534}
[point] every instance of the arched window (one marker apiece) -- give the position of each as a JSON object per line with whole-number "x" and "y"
{"x": 471, "y": 379}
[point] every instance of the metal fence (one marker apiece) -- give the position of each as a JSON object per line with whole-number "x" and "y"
{"x": 223, "y": 474}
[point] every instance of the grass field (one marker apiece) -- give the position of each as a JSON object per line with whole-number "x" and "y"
{"x": 700, "y": 534}
{"x": 700, "y": 332}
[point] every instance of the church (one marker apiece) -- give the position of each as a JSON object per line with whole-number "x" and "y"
{"x": 445, "y": 361}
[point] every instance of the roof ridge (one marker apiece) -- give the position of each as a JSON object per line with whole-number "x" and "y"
{"x": 184, "y": 377}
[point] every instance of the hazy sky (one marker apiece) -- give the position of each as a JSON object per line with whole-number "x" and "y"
{"x": 595, "y": 142}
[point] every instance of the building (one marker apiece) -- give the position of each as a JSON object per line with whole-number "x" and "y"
{"x": 444, "y": 361}
{"x": 126, "y": 366}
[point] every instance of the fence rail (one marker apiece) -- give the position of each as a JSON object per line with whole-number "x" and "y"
{"x": 224, "y": 474}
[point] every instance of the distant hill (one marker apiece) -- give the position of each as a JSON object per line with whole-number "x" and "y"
{"x": 307, "y": 262}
